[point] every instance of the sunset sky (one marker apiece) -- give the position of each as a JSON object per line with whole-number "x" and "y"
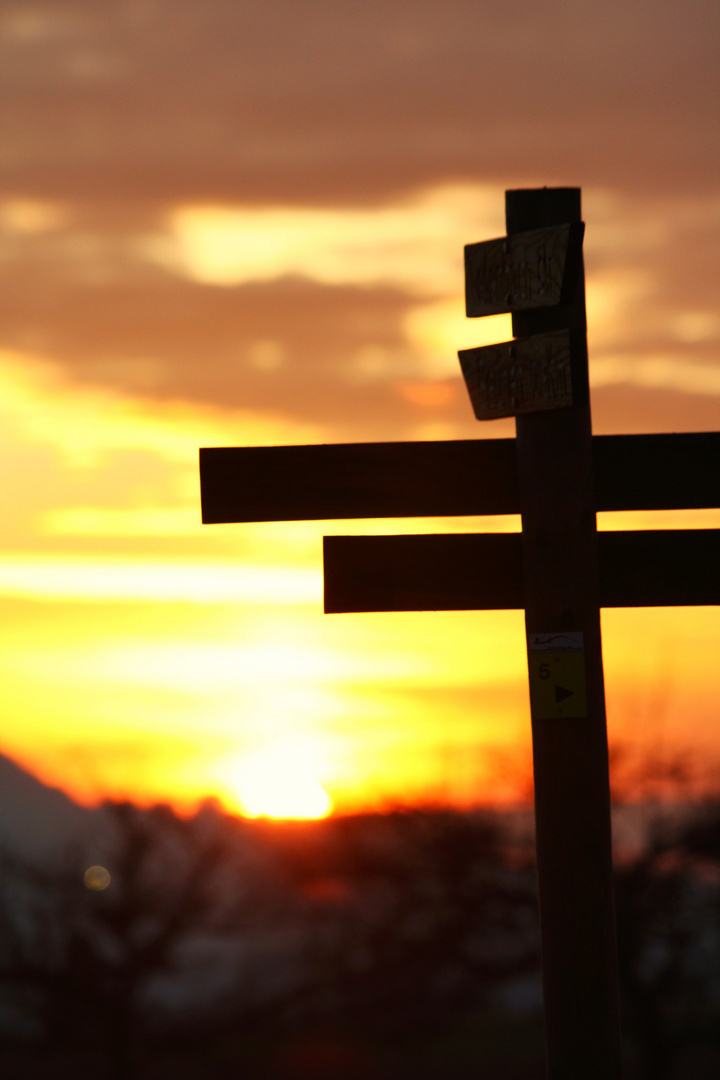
{"x": 241, "y": 222}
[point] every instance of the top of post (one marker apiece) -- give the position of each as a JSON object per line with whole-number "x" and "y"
{"x": 538, "y": 208}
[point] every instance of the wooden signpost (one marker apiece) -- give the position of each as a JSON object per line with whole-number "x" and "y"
{"x": 559, "y": 569}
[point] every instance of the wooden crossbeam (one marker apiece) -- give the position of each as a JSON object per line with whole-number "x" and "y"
{"x": 465, "y": 571}
{"x": 432, "y": 572}
{"x": 357, "y": 480}
{"x": 437, "y": 479}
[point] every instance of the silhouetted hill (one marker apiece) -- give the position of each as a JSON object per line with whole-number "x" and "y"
{"x": 39, "y": 822}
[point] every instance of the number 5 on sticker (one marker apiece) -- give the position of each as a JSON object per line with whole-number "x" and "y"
{"x": 556, "y": 664}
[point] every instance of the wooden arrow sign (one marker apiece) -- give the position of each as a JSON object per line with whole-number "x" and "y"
{"x": 357, "y": 480}
{"x": 437, "y": 479}
{"x": 526, "y": 375}
{"x": 483, "y": 571}
{"x": 526, "y": 270}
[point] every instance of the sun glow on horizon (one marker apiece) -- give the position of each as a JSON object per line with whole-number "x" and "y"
{"x": 148, "y": 657}
{"x": 279, "y": 780}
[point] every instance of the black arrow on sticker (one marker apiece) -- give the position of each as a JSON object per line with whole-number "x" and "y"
{"x": 561, "y": 693}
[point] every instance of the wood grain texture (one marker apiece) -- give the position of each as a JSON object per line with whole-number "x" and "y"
{"x": 520, "y": 376}
{"x": 532, "y": 269}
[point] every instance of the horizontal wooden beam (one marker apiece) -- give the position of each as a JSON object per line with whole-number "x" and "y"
{"x": 464, "y": 571}
{"x": 359, "y": 480}
{"x": 435, "y": 479}
{"x": 435, "y": 572}
{"x": 660, "y": 568}
{"x": 657, "y": 472}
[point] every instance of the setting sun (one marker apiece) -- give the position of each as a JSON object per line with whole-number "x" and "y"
{"x": 279, "y": 781}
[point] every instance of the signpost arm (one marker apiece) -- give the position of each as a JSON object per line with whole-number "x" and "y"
{"x": 572, "y": 801}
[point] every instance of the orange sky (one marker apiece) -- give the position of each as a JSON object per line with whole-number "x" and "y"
{"x": 230, "y": 224}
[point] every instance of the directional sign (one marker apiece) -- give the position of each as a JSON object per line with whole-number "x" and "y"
{"x": 526, "y": 375}
{"x": 358, "y": 480}
{"x": 483, "y": 571}
{"x": 427, "y": 572}
{"x": 434, "y": 479}
{"x": 527, "y": 270}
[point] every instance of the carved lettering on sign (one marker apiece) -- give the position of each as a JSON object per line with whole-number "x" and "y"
{"x": 526, "y": 375}
{"x": 527, "y": 270}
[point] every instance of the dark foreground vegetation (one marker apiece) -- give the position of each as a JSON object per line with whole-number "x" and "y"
{"x": 400, "y": 945}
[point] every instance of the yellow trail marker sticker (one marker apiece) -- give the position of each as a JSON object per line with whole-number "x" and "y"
{"x": 556, "y": 665}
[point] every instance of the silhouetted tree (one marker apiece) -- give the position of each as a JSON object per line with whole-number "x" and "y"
{"x": 413, "y": 916}
{"x": 668, "y": 905}
{"x": 380, "y": 925}
{"x": 82, "y": 962}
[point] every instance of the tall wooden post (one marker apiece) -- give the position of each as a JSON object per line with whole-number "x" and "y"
{"x": 562, "y": 618}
